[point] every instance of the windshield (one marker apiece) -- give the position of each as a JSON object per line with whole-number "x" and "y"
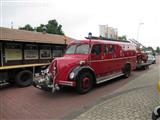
{"x": 78, "y": 49}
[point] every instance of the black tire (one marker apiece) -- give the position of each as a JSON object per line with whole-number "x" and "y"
{"x": 146, "y": 67}
{"x": 24, "y": 78}
{"x": 87, "y": 79}
{"x": 154, "y": 117}
{"x": 127, "y": 71}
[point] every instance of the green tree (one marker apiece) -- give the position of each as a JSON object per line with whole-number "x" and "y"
{"x": 150, "y": 49}
{"x": 158, "y": 50}
{"x": 27, "y": 27}
{"x": 40, "y": 28}
{"x": 122, "y": 37}
{"x": 51, "y": 27}
{"x": 54, "y": 28}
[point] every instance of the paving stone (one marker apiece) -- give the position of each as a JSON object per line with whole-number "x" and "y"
{"x": 132, "y": 103}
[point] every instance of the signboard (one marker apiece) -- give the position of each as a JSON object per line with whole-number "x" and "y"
{"x": 13, "y": 54}
{"x": 30, "y": 54}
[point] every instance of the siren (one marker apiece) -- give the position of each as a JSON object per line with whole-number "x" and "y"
{"x": 89, "y": 35}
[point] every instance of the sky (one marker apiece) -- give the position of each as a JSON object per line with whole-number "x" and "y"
{"x": 79, "y": 17}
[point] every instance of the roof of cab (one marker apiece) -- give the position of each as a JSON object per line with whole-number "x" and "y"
{"x": 93, "y": 41}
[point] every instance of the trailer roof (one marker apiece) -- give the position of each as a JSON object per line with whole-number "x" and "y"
{"x": 7, "y": 34}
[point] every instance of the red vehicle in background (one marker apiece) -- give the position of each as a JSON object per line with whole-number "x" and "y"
{"x": 142, "y": 56}
{"x": 88, "y": 62}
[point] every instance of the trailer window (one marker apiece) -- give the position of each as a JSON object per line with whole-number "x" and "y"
{"x": 13, "y": 51}
{"x": 30, "y": 52}
{"x": 45, "y": 52}
{"x": 96, "y": 49}
{"x": 57, "y": 51}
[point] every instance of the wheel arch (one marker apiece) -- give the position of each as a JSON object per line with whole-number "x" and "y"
{"x": 78, "y": 70}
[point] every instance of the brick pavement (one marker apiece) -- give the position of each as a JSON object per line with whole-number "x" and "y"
{"x": 134, "y": 101}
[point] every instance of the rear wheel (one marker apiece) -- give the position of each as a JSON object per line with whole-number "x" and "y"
{"x": 127, "y": 71}
{"x": 24, "y": 78}
{"x": 84, "y": 83}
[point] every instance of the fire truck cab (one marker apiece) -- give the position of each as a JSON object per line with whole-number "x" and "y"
{"x": 88, "y": 62}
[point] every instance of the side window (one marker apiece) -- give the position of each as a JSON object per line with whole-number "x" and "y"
{"x": 96, "y": 49}
{"x": 105, "y": 49}
{"x": 111, "y": 49}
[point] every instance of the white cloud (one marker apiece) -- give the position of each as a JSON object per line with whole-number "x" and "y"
{"x": 79, "y": 17}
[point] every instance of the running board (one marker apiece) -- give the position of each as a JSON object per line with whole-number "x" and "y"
{"x": 108, "y": 77}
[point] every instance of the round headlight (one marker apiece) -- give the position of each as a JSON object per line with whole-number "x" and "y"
{"x": 71, "y": 76}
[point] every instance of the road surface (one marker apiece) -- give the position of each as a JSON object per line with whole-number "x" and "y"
{"x": 32, "y": 103}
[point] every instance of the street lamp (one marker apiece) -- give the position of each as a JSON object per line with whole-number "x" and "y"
{"x": 139, "y": 29}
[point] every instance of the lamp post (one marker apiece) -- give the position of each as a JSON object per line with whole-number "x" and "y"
{"x": 139, "y": 29}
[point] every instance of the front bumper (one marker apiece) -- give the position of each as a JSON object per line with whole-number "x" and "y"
{"x": 42, "y": 86}
{"x": 43, "y": 82}
{"x": 47, "y": 83}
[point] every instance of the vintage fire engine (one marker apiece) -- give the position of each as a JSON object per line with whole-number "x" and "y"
{"x": 87, "y": 63}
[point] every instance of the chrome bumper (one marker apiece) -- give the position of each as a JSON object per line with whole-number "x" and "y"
{"x": 45, "y": 82}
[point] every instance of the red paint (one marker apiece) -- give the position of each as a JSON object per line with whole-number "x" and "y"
{"x": 85, "y": 82}
{"x": 112, "y": 58}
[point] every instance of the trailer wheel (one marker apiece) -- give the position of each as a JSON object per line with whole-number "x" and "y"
{"x": 84, "y": 83}
{"x": 24, "y": 78}
{"x": 127, "y": 71}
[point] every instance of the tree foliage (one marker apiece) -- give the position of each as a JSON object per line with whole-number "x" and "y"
{"x": 158, "y": 49}
{"x": 51, "y": 27}
{"x": 40, "y": 28}
{"x": 122, "y": 37}
{"x": 150, "y": 48}
{"x": 54, "y": 28}
{"x": 27, "y": 27}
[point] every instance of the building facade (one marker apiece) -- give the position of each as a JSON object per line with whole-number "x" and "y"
{"x": 108, "y": 32}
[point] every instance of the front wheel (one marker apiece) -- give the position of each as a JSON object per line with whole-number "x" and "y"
{"x": 84, "y": 82}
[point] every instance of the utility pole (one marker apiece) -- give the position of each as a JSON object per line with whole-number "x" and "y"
{"x": 139, "y": 25}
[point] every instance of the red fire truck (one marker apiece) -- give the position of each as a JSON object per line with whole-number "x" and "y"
{"x": 88, "y": 62}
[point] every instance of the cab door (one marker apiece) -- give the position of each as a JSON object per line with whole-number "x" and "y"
{"x": 107, "y": 60}
{"x": 97, "y": 59}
